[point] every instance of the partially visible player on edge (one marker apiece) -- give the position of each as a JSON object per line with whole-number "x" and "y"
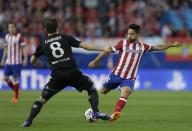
{"x": 125, "y": 71}
{"x": 58, "y": 50}
{"x": 12, "y": 58}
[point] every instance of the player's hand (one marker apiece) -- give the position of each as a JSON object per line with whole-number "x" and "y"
{"x": 109, "y": 49}
{"x": 176, "y": 44}
{"x": 92, "y": 64}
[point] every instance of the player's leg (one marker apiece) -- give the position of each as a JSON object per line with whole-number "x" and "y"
{"x": 16, "y": 89}
{"x": 48, "y": 92}
{"x": 16, "y": 69}
{"x": 7, "y": 73}
{"x": 111, "y": 83}
{"x": 104, "y": 90}
{"x": 126, "y": 90}
{"x": 8, "y": 81}
{"x": 94, "y": 102}
{"x": 82, "y": 82}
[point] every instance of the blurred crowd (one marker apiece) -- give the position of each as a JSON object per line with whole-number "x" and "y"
{"x": 100, "y": 18}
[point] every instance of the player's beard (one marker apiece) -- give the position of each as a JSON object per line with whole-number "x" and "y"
{"x": 131, "y": 40}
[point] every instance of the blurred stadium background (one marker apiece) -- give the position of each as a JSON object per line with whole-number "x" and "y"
{"x": 104, "y": 22}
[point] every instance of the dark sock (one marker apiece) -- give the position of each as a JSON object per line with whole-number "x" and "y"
{"x": 36, "y": 107}
{"x": 93, "y": 99}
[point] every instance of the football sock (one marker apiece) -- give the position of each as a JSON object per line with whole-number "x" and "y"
{"x": 36, "y": 107}
{"x": 120, "y": 104}
{"x": 16, "y": 90}
{"x": 93, "y": 99}
{"x": 10, "y": 84}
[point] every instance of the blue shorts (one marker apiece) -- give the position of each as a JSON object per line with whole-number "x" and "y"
{"x": 115, "y": 81}
{"x": 14, "y": 70}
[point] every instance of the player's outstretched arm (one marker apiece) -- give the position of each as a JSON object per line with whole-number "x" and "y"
{"x": 92, "y": 47}
{"x": 101, "y": 55}
{"x": 95, "y": 62}
{"x": 165, "y": 46}
{"x": 33, "y": 59}
{"x": 4, "y": 56}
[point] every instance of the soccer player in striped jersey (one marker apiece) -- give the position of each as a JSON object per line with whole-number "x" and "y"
{"x": 12, "y": 58}
{"x": 125, "y": 71}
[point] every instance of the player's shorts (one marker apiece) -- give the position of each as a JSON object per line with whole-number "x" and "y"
{"x": 115, "y": 81}
{"x": 61, "y": 79}
{"x": 14, "y": 70}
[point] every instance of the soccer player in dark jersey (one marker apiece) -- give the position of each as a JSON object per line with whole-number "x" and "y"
{"x": 57, "y": 49}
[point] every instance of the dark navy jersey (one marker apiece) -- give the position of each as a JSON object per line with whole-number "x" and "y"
{"x": 58, "y": 51}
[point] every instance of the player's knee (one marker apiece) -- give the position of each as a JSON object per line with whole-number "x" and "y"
{"x": 46, "y": 95}
{"x": 126, "y": 91}
{"x": 103, "y": 92}
{"x": 92, "y": 90}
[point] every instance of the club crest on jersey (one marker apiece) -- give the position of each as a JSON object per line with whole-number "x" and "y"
{"x": 137, "y": 50}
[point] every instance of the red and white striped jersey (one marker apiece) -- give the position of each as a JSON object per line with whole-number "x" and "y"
{"x": 129, "y": 58}
{"x": 14, "y": 44}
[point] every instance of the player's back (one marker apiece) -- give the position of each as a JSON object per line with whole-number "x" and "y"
{"x": 58, "y": 51}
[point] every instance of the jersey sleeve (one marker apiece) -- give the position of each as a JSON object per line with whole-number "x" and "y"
{"x": 117, "y": 46}
{"x": 73, "y": 42}
{"x": 22, "y": 41}
{"x": 39, "y": 51}
{"x": 147, "y": 48}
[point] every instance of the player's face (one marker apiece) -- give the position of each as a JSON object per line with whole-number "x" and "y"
{"x": 12, "y": 28}
{"x": 132, "y": 35}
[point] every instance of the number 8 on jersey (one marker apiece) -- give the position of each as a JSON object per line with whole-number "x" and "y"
{"x": 56, "y": 47}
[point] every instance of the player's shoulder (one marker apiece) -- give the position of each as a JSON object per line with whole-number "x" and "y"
{"x": 64, "y": 35}
{"x": 7, "y": 35}
{"x": 120, "y": 41}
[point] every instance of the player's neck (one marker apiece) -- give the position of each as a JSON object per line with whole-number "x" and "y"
{"x": 133, "y": 41}
{"x": 12, "y": 33}
{"x": 50, "y": 34}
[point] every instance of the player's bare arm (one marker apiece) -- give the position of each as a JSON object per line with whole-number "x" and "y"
{"x": 25, "y": 53}
{"x": 165, "y": 46}
{"x": 4, "y": 56}
{"x": 92, "y": 47}
{"x": 95, "y": 62}
{"x": 101, "y": 55}
{"x": 33, "y": 59}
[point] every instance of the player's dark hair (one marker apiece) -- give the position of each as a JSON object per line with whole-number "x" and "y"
{"x": 135, "y": 27}
{"x": 12, "y": 23}
{"x": 51, "y": 25}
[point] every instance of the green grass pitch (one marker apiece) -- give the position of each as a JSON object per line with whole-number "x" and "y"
{"x": 145, "y": 111}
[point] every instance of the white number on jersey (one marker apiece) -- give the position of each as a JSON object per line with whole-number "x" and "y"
{"x": 56, "y": 46}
